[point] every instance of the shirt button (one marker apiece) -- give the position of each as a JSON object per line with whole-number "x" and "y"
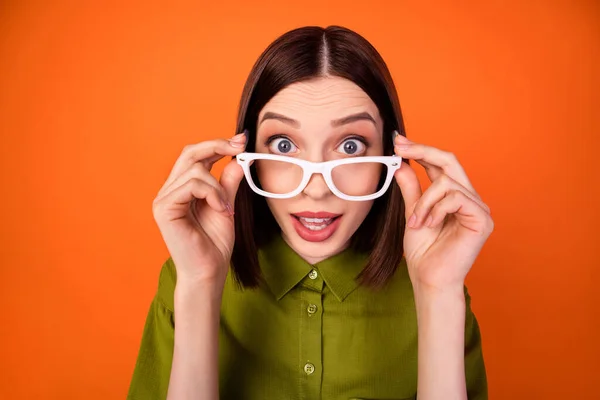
{"x": 311, "y": 309}
{"x": 309, "y": 368}
{"x": 313, "y": 274}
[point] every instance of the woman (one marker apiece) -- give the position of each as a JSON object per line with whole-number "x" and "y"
{"x": 319, "y": 302}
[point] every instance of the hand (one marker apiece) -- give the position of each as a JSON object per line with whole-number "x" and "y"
{"x": 194, "y": 211}
{"x": 441, "y": 251}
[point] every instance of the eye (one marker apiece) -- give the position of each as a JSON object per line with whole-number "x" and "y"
{"x": 281, "y": 145}
{"x": 352, "y": 146}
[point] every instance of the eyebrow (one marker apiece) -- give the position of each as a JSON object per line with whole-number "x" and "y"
{"x": 362, "y": 116}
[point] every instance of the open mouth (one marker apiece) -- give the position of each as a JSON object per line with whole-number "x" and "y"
{"x": 315, "y": 227}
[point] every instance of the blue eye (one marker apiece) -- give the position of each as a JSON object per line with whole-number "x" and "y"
{"x": 352, "y": 147}
{"x": 282, "y": 145}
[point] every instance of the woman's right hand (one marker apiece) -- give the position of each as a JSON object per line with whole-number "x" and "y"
{"x": 194, "y": 211}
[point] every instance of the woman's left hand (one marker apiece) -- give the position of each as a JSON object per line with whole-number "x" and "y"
{"x": 451, "y": 222}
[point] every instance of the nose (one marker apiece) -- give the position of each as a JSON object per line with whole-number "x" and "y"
{"x": 317, "y": 187}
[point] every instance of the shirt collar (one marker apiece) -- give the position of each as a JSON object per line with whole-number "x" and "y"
{"x": 283, "y": 269}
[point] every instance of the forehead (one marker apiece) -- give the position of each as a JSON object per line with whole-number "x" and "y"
{"x": 328, "y": 97}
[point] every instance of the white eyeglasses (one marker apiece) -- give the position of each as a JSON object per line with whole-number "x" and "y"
{"x": 354, "y": 179}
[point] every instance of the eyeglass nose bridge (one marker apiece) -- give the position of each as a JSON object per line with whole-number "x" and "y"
{"x": 311, "y": 168}
{"x": 322, "y": 168}
{"x": 315, "y": 169}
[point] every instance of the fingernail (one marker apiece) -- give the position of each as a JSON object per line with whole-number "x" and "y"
{"x": 411, "y": 221}
{"x": 237, "y": 144}
{"x": 402, "y": 139}
{"x": 239, "y": 137}
{"x": 404, "y": 146}
{"x": 227, "y": 206}
{"x": 238, "y": 140}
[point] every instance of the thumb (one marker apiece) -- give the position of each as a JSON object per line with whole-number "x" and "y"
{"x": 230, "y": 179}
{"x": 410, "y": 187}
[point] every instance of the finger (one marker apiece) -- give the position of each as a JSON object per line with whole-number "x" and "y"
{"x": 230, "y": 179}
{"x": 409, "y": 187}
{"x": 434, "y": 194}
{"x": 468, "y": 213}
{"x": 237, "y": 142}
{"x": 171, "y": 206}
{"x": 198, "y": 171}
{"x": 402, "y": 144}
{"x": 435, "y": 161}
{"x": 207, "y": 152}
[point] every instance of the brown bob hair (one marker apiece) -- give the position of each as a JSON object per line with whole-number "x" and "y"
{"x": 302, "y": 54}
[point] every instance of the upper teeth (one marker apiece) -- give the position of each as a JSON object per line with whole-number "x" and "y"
{"x": 315, "y": 220}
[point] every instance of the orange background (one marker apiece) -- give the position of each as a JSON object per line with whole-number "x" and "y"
{"x": 96, "y": 102}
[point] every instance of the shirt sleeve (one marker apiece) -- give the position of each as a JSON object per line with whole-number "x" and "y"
{"x": 152, "y": 371}
{"x": 475, "y": 374}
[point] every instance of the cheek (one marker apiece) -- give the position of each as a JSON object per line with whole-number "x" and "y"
{"x": 360, "y": 179}
{"x": 356, "y": 212}
{"x": 279, "y": 208}
{"x": 278, "y": 177}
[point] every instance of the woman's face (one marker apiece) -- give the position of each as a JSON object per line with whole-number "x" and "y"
{"x": 307, "y": 120}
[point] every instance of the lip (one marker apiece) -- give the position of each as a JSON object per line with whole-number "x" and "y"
{"x": 315, "y": 236}
{"x": 319, "y": 214}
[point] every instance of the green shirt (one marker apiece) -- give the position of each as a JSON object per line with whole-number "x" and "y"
{"x": 310, "y": 333}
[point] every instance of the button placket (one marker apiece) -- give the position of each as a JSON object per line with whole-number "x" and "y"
{"x": 311, "y": 337}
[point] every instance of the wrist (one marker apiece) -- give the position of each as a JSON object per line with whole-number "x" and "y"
{"x": 424, "y": 288}
{"x": 439, "y": 298}
{"x": 197, "y": 292}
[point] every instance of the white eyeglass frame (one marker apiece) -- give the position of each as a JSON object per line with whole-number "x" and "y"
{"x": 309, "y": 168}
